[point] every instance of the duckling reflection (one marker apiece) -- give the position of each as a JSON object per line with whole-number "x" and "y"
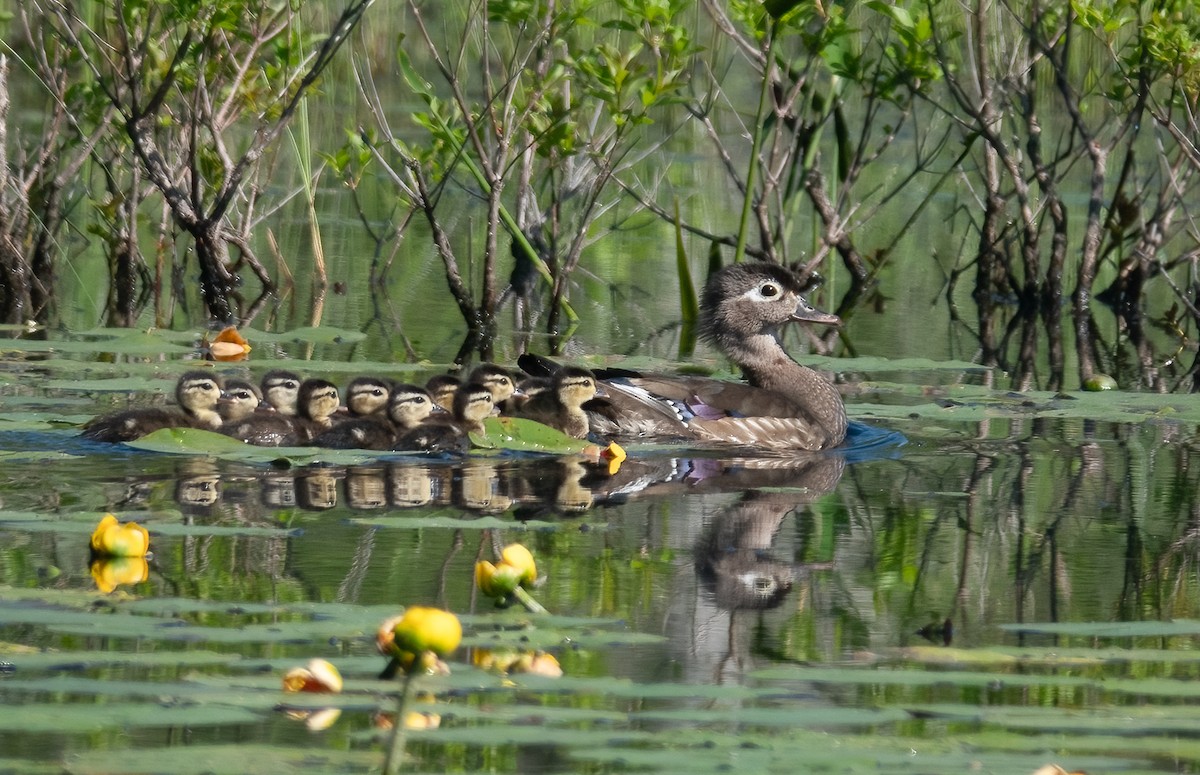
{"x": 479, "y": 489}
{"x": 410, "y": 486}
{"x": 366, "y": 488}
{"x": 198, "y": 484}
{"x": 317, "y": 490}
{"x": 279, "y": 491}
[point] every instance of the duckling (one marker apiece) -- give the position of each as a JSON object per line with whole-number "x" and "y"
{"x": 407, "y": 406}
{"x": 197, "y": 394}
{"x": 562, "y": 406}
{"x": 366, "y": 396}
{"x": 441, "y": 388}
{"x": 472, "y": 404}
{"x": 281, "y": 391}
{"x": 241, "y": 400}
{"x": 317, "y": 403}
{"x": 498, "y": 380}
{"x": 410, "y": 406}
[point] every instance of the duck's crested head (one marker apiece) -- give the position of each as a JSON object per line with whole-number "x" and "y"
{"x": 575, "y": 386}
{"x": 198, "y": 391}
{"x": 281, "y": 390}
{"x": 367, "y": 395}
{"x": 473, "y": 403}
{"x": 241, "y": 400}
{"x": 318, "y": 399}
{"x": 754, "y": 298}
{"x": 409, "y": 405}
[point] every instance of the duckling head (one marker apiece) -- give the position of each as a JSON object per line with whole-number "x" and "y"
{"x": 409, "y": 405}
{"x": 318, "y": 400}
{"x": 367, "y": 395}
{"x": 241, "y": 400}
{"x": 281, "y": 391}
{"x": 473, "y": 403}
{"x": 497, "y": 379}
{"x": 198, "y": 392}
{"x": 575, "y": 386}
{"x": 441, "y": 389}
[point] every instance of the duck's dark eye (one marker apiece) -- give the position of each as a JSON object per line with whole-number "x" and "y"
{"x": 769, "y": 290}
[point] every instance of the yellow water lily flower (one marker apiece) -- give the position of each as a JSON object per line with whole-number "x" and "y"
{"x": 111, "y": 572}
{"x": 113, "y": 539}
{"x": 498, "y": 581}
{"x": 426, "y": 629}
{"x": 521, "y": 559}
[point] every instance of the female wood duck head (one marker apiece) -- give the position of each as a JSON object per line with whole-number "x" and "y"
{"x": 745, "y": 302}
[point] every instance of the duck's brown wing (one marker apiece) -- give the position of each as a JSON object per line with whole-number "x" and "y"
{"x": 737, "y": 413}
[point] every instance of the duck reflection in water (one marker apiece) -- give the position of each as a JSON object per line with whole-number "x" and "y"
{"x": 739, "y": 575}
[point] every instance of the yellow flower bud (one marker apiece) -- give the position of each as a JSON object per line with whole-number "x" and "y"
{"x": 111, "y": 572}
{"x": 112, "y": 539}
{"x": 496, "y": 581}
{"x": 427, "y": 629}
{"x": 521, "y": 559}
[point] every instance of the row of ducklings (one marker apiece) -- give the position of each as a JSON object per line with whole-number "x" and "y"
{"x": 378, "y": 414}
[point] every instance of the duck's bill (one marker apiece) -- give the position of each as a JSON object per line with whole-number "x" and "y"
{"x": 807, "y": 313}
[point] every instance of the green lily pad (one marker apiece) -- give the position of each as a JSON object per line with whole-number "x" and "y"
{"x": 520, "y": 435}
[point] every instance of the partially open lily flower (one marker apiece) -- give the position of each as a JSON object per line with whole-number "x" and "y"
{"x": 508, "y": 662}
{"x": 521, "y": 559}
{"x": 228, "y": 345}
{"x": 112, "y": 572}
{"x": 318, "y": 675}
{"x": 113, "y": 539}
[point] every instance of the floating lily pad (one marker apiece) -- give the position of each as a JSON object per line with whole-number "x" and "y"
{"x": 520, "y": 435}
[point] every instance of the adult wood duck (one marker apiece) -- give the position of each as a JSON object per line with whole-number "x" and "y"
{"x": 197, "y": 393}
{"x": 785, "y": 406}
{"x": 561, "y": 405}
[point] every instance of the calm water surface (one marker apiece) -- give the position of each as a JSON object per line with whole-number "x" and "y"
{"x": 981, "y": 580}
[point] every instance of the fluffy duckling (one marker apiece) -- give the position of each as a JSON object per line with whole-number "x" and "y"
{"x": 366, "y": 396}
{"x": 197, "y": 394}
{"x": 472, "y": 404}
{"x": 241, "y": 401}
{"x": 561, "y": 407}
{"x": 441, "y": 388}
{"x": 318, "y": 402}
{"x": 281, "y": 391}
{"x": 498, "y": 380}
{"x": 407, "y": 406}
